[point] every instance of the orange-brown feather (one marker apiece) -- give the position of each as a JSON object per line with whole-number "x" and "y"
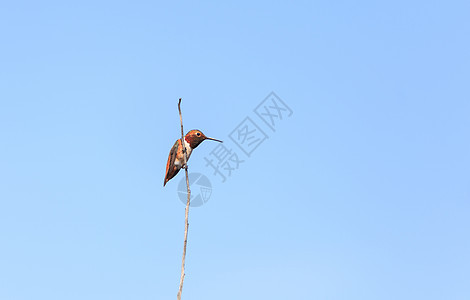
{"x": 171, "y": 168}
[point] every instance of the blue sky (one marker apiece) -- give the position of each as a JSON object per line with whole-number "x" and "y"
{"x": 362, "y": 193}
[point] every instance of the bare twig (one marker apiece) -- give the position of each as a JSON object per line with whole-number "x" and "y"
{"x": 186, "y": 214}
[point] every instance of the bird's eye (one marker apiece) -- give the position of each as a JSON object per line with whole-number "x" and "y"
{"x": 198, "y": 134}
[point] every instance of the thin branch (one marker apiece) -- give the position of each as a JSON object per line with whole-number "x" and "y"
{"x": 186, "y": 214}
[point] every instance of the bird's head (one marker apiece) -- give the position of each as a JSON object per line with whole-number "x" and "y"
{"x": 195, "y": 137}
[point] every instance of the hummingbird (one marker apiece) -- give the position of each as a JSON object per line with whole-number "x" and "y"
{"x": 192, "y": 139}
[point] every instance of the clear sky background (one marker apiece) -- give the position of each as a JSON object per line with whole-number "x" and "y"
{"x": 362, "y": 193}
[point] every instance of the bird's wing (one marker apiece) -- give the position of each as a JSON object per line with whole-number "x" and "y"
{"x": 171, "y": 162}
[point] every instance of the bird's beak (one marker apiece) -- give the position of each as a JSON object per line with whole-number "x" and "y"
{"x": 208, "y": 138}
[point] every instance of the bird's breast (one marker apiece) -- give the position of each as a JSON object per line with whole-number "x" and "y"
{"x": 180, "y": 156}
